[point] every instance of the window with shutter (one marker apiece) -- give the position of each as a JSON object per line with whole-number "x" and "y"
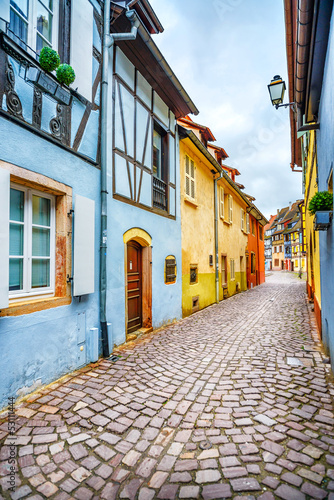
{"x": 242, "y": 220}
{"x": 221, "y": 203}
{"x": 170, "y": 269}
{"x": 230, "y": 206}
{"x": 37, "y": 232}
{"x": 247, "y": 223}
{"x": 232, "y": 271}
{"x": 190, "y": 177}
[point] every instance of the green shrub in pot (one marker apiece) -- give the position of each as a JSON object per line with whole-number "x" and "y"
{"x": 65, "y": 74}
{"x": 49, "y": 59}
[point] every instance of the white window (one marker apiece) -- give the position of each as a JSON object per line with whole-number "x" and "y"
{"x": 230, "y": 208}
{"x": 34, "y": 23}
{"x": 31, "y": 242}
{"x": 221, "y": 203}
{"x": 190, "y": 177}
{"x": 232, "y": 271}
{"x": 247, "y": 223}
{"x": 242, "y": 220}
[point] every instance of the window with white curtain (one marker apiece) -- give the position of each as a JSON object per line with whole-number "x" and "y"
{"x": 34, "y": 23}
{"x": 31, "y": 242}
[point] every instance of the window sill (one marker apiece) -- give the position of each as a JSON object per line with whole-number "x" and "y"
{"x": 29, "y": 306}
{"x": 191, "y": 201}
{"x": 227, "y": 222}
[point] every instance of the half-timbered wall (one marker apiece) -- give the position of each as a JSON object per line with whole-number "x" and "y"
{"x": 73, "y": 125}
{"x": 136, "y": 108}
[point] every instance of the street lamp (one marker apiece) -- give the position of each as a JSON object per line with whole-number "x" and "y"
{"x": 277, "y": 89}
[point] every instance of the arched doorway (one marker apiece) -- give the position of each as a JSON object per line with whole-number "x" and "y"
{"x": 134, "y": 286}
{"x": 138, "y": 279}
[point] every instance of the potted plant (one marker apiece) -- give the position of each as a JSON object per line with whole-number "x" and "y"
{"x": 321, "y": 206}
{"x": 49, "y": 59}
{"x": 65, "y": 74}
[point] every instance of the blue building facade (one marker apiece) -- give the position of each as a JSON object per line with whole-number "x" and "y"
{"x": 50, "y": 193}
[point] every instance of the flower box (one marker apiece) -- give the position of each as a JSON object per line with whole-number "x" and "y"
{"x": 322, "y": 220}
{"x": 48, "y": 85}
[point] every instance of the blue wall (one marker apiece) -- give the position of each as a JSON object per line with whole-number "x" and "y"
{"x": 166, "y": 240}
{"x": 325, "y": 147}
{"x": 42, "y": 346}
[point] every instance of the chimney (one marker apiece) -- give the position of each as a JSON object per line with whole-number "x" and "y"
{"x": 290, "y": 205}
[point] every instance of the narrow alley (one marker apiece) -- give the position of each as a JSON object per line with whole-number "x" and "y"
{"x": 232, "y": 402}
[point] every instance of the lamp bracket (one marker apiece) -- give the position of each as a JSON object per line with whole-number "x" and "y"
{"x": 292, "y": 104}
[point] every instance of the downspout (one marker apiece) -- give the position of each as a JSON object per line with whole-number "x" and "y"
{"x": 221, "y": 175}
{"x": 108, "y": 42}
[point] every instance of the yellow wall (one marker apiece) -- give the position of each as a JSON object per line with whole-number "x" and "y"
{"x": 312, "y": 237}
{"x": 198, "y": 243}
{"x": 232, "y": 242}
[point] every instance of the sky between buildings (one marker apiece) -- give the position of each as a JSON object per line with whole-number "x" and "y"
{"x": 225, "y": 52}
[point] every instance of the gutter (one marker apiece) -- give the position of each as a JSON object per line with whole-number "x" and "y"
{"x": 304, "y": 30}
{"x": 108, "y": 42}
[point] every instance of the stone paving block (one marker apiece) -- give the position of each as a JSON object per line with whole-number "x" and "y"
{"x": 104, "y": 471}
{"x": 207, "y": 476}
{"x": 168, "y": 492}
{"x": 234, "y": 472}
{"x": 109, "y": 492}
{"x": 313, "y": 491}
{"x": 288, "y": 493}
{"x": 214, "y": 491}
{"x": 311, "y": 476}
{"x": 245, "y": 484}
{"x": 272, "y": 447}
{"x": 180, "y": 477}
{"x": 146, "y": 467}
{"x": 293, "y": 479}
{"x": 300, "y": 458}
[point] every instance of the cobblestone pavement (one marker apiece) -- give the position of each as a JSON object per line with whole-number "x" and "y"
{"x": 233, "y": 402}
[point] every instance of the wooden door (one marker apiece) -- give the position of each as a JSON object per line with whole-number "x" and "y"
{"x": 134, "y": 282}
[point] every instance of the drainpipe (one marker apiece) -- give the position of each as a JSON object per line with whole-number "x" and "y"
{"x": 108, "y": 42}
{"x": 221, "y": 175}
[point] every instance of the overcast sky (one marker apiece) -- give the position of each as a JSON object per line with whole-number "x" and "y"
{"x": 225, "y": 52}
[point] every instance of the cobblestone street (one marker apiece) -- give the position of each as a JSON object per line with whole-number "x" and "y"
{"x": 233, "y": 402}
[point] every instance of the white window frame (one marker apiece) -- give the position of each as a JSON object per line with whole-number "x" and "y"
{"x": 27, "y": 290}
{"x": 221, "y": 202}
{"x": 32, "y": 23}
{"x": 188, "y": 165}
{"x": 232, "y": 270}
{"x": 242, "y": 212}
{"x": 247, "y": 223}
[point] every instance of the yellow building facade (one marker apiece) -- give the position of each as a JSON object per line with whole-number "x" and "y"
{"x": 198, "y": 171}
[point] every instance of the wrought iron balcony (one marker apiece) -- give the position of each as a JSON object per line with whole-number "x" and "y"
{"x": 159, "y": 193}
